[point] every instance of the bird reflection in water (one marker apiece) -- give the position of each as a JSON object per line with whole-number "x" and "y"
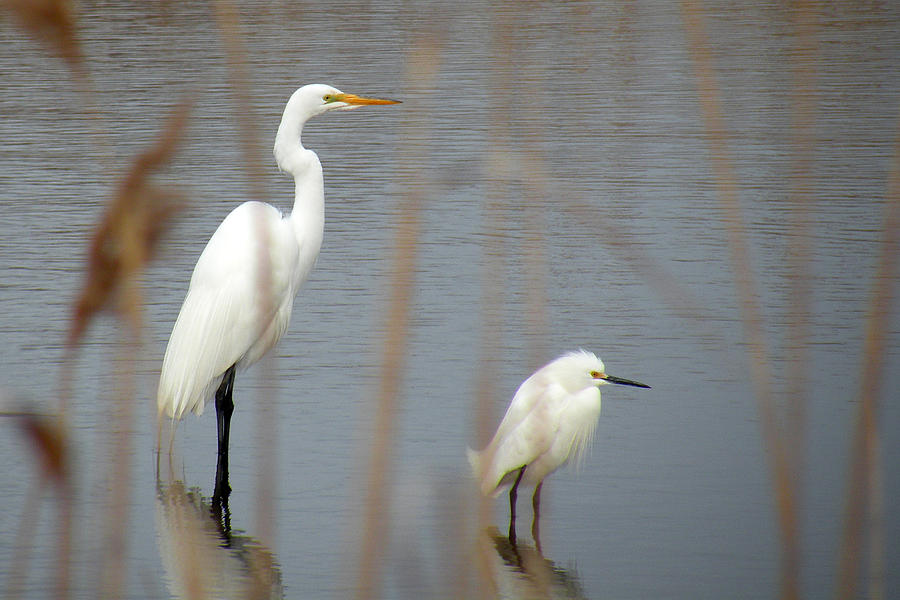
{"x": 202, "y": 556}
{"x": 519, "y": 570}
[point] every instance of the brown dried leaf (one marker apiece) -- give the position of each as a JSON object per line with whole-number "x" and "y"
{"x": 126, "y": 237}
{"x": 52, "y": 22}
{"x": 49, "y": 441}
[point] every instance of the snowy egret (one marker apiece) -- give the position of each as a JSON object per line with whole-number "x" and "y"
{"x": 242, "y": 290}
{"x": 551, "y": 419}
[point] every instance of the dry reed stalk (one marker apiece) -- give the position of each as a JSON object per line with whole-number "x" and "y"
{"x": 121, "y": 246}
{"x": 115, "y": 533}
{"x": 493, "y": 286}
{"x": 421, "y": 71}
{"x": 48, "y": 438}
{"x": 681, "y": 301}
{"x": 717, "y": 136}
{"x": 493, "y": 282}
{"x": 239, "y": 80}
{"x": 804, "y": 99}
{"x": 508, "y": 166}
{"x": 19, "y": 564}
{"x": 805, "y": 57}
{"x": 126, "y": 238}
{"x": 228, "y": 21}
{"x": 53, "y": 22}
{"x": 537, "y": 271}
{"x": 535, "y": 178}
{"x": 861, "y": 512}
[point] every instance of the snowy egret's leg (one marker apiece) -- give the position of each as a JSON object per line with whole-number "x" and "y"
{"x": 513, "y": 494}
{"x": 536, "y": 523}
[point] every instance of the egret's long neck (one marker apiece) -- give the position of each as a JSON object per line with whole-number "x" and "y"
{"x": 308, "y": 214}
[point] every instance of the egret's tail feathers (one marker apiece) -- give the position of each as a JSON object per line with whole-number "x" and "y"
{"x": 200, "y": 350}
{"x": 481, "y": 470}
{"x": 175, "y": 398}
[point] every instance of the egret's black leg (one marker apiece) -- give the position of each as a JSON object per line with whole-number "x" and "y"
{"x": 224, "y": 408}
{"x": 221, "y": 514}
{"x": 513, "y": 494}
{"x": 536, "y": 523}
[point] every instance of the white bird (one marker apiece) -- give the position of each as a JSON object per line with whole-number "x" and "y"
{"x": 550, "y": 420}
{"x": 242, "y": 290}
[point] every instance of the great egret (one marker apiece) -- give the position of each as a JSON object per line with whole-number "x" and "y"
{"x": 551, "y": 419}
{"x": 242, "y": 290}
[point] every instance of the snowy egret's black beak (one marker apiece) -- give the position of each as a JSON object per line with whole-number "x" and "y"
{"x": 622, "y": 381}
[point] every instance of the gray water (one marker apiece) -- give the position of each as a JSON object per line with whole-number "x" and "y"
{"x": 574, "y": 129}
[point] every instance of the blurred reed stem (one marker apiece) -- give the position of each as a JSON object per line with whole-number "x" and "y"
{"x": 717, "y": 135}
{"x": 19, "y": 563}
{"x": 229, "y": 23}
{"x": 50, "y": 443}
{"x": 514, "y": 162}
{"x": 862, "y": 515}
{"x": 534, "y": 226}
{"x": 804, "y": 96}
{"x": 805, "y": 57}
{"x": 55, "y": 24}
{"x": 422, "y": 67}
{"x": 493, "y": 283}
{"x": 115, "y": 533}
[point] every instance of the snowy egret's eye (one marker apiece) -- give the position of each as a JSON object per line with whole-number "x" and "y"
{"x": 595, "y": 374}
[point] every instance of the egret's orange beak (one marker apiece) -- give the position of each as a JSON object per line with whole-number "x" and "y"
{"x": 354, "y": 100}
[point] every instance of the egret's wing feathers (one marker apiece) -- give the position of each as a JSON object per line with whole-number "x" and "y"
{"x": 526, "y": 432}
{"x": 526, "y": 398}
{"x": 226, "y": 318}
{"x": 207, "y": 339}
{"x": 550, "y": 420}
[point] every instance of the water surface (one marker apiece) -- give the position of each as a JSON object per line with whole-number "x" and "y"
{"x": 564, "y": 149}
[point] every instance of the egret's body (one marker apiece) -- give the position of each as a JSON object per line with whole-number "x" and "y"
{"x": 550, "y": 420}
{"x": 227, "y": 318}
{"x": 242, "y": 290}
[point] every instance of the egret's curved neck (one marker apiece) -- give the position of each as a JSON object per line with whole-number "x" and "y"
{"x": 289, "y": 152}
{"x": 304, "y": 166}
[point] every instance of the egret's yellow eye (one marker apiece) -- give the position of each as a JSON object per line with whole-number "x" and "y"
{"x": 595, "y": 374}
{"x": 327, "y": 98}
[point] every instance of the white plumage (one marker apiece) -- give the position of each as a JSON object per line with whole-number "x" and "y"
{"x": 227, "y": 318}
{"x": 550, "y": 420}
{"x": 242, "y": 290}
